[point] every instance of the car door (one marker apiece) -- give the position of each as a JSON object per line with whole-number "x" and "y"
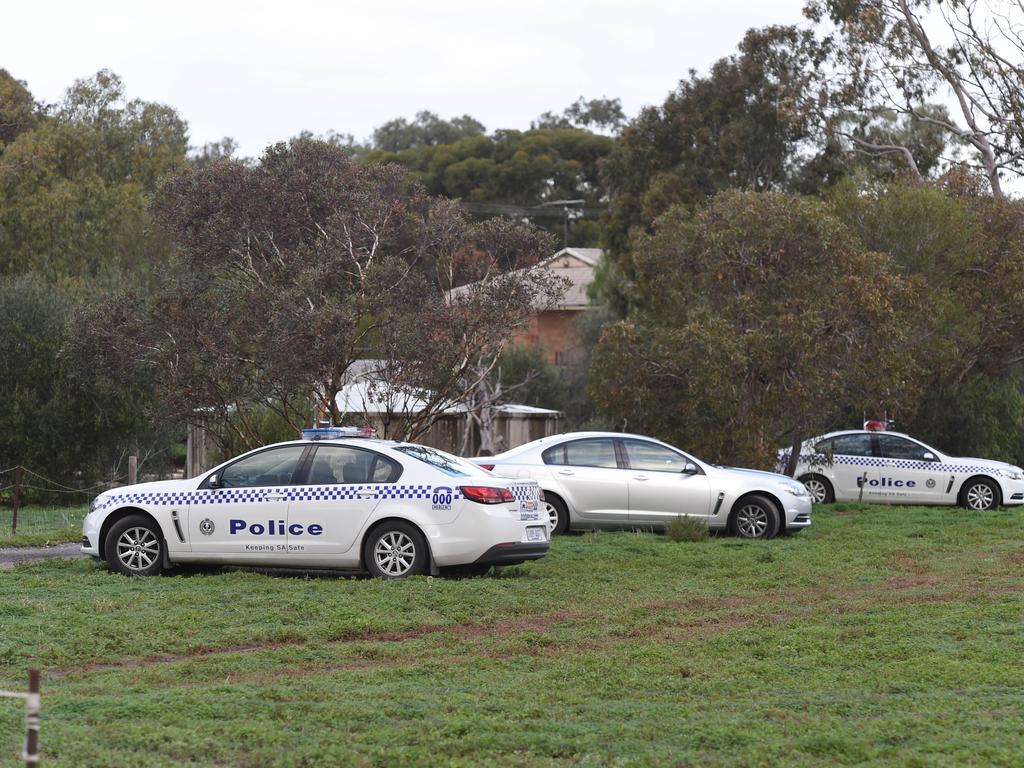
{"x": 341, "y": 490}
{"x": 591, "y": 479}
{"x": 910, "y": 472}
{"x": 243, "y": 508}
{"x": 853, "y": 464}
{"x": 659, "y": 488}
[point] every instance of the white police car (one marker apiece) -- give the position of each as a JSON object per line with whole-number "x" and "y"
{"x": 327, "y": 501}
{"x": 876, "y": 465}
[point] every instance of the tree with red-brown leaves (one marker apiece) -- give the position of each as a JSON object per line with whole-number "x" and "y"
{"x": 289, "y": 270}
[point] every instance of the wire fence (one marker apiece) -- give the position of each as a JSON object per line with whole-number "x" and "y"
{"x": 46, "y": 523}
{"x": 42, "y": 520}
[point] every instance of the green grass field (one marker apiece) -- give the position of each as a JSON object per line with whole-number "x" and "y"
{"x": 39, "y": 526}
{"x": 880, "y": 636}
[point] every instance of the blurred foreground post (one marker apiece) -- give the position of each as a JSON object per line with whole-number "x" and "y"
{"x": 32, "y": 703}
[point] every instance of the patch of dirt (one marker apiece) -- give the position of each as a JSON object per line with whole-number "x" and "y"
{"x": 1015, "y": 558}
{"x": 731, "y": 613}
{"x": 509, "y": 628}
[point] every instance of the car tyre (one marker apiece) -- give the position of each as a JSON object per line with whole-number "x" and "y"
{"x": 755, "y": 517}
{"x": 557, "y": 513}
{"x": 980, "y": 494}
{"x": 820, "y": 489}
{"x": 394, "y": 550}
{"x": 135, "y": 546}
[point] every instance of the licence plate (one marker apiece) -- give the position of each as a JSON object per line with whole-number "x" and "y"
{"x": 535, "y": 534}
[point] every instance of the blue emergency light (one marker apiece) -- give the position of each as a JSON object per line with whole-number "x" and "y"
{"x": 331, "y": 433}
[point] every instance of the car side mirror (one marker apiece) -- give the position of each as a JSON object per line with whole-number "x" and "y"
{"x": 690, "y": 468}
{"x": 928, "y": 456}
{"x": 213, "y": 481}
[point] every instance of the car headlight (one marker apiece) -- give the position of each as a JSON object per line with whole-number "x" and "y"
{"x": 796, "y": 489}
{"x": 1014, "y": 474}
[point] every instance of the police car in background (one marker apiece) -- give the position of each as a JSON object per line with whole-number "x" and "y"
{"x": 873, "y": 464}
{"x": 329, "y": 500}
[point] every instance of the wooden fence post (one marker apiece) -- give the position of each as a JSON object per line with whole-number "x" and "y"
{"x": 32, "y": 706}
{"x": 16, "y": 502}
{"x": 133, "y": 470}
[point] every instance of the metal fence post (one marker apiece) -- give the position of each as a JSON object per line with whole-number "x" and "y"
{"x": 32, "y": 706}
{"x": 133, "y": 470}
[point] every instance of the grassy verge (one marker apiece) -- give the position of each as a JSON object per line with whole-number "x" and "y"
{"x": 880, "y": 636}
{"x": 40, "y": 526}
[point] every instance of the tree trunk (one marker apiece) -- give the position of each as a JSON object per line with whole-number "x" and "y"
{"x": 794, "y": 452}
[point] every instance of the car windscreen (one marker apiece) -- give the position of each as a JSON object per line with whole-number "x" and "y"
{"x": 451, "y": 465}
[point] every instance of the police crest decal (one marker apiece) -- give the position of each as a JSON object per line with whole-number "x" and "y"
{"x": 206, "y": 527}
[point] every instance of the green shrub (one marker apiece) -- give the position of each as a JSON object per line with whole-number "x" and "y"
{"x": 686, "y": 528}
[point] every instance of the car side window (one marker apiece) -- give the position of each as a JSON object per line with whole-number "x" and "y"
{"x": 593, "y": 452}
{"x": 893, "y": 447}
{"x": 275, "y": 466}
{"x": 852, "y": 445}
{"x": 342, "y": 464}
{"x": 651, "y": 457}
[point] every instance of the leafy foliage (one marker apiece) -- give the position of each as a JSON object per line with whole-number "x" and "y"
{"x": 894, "y": 55}
{"x": 762, "y": 313}
{"x": 74, "y": 184}
{"x": 292, "y": 269}
{"x": 427, "y": 130}
{"x": 522, "y": 169}
{"x": 967, "y": 247}
{"x": 59, "y": 417}
{"x": 601, "y": 115}
{"x": 736, "y": 128}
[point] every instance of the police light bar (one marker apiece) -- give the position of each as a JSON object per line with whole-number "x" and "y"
{"x": 874, "y": 426}
{"x": 331, "y": 433}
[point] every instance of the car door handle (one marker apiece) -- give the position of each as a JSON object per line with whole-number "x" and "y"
{"x": 366, "y": 495}
{"x": 640, "y": 477}
{"x": 566, "y": 472}
{"x": 274, "y": 497}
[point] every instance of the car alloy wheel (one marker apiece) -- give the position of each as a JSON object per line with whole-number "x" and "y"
{"x": 394, "y": 553}
{"x": 980, "y": 496}
{"x": 752, "y": 521}
{"x": 134, "y": 547}
{"x": 817, "y": 489}
{"x": 552, "y": 515}
{"x": 558, "y": 514}
{"x": 138, "y": 548}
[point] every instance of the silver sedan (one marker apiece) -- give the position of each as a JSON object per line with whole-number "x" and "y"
{"x": 614, "y": 480}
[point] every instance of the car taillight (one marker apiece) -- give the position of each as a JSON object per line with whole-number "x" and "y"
{"x": 482, "y": 494}
{"x": 488, "y": 467}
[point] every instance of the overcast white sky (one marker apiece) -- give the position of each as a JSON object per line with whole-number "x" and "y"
{"x": 261, "y": 72}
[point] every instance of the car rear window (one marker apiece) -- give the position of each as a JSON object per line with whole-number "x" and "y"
{"x": 447, "y": 463}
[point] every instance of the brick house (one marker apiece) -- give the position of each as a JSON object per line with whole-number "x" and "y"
{"x": 554, "y": 330}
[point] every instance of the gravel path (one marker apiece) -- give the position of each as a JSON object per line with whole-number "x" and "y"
{"x": 10, "y": 556}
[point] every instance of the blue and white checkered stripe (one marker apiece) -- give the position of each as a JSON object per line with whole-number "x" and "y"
{"x": 525, "y": 492}
{"x": 296, "y": 493}
{"x": 934, "y": 466}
